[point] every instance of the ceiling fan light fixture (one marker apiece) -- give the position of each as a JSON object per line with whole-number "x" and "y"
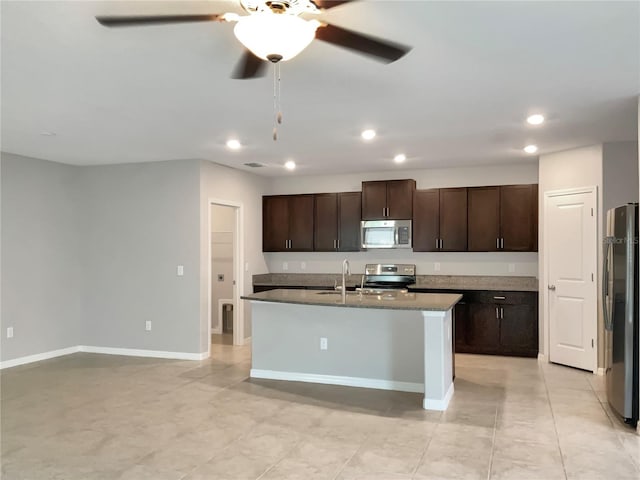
{"x": 275, "y": 37}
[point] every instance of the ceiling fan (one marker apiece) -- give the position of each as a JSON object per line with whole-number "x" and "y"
{"x": 274, "y": 31}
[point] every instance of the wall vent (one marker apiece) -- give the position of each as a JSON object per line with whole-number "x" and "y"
{"x": 253, "y": 165}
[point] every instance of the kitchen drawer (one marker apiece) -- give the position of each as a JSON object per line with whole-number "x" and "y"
{"x": 502, "y": 297}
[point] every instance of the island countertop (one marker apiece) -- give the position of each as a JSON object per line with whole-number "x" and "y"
{"x": 439, "y": 302}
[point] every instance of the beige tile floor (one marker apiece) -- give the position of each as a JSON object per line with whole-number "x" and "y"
{"x": 88, "y": 416}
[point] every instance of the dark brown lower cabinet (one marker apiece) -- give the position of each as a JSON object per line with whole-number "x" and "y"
{"x": 495, "y": 323}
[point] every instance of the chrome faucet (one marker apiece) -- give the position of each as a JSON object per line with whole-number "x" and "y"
{"x": 345, "y": 271}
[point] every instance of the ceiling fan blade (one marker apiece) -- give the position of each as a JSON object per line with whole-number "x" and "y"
{"x": 155, "y": 20}
{"x": 327, "y": 4}
{"x": 382, "y": 50}
{"x": 249, "y": 66}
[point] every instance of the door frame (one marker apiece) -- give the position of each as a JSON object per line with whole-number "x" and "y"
{"x": 545, "y": 276}
{"x": 238, "y": 272}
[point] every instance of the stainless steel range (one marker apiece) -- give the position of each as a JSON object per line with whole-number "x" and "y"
{"x": 388, "y": 277}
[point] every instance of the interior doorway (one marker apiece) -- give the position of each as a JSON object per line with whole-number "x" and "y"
{"x": 570, "y": 283}
{"x": 225, "y": 317}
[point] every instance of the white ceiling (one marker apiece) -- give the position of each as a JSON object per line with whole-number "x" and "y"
{"x": 459, "y": 97}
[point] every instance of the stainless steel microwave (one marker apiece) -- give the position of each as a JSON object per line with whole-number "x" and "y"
{"x": 385, "y": 233}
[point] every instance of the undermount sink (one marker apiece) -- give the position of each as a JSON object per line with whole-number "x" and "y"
{"x": 328, "y": 292}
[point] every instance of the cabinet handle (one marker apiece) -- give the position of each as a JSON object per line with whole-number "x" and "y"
{"x": 290, "y": 244}
{"x": 502, "y": 243}
{"x": 437, "y": 244}
{"x": 286, "y": 244}
{"x": 338, "y": 243}
{"x": 387, "y": 211}
{"x": 497, "y": 312}
{"x": 384, "y": 211}
{"x": 501, "y": 313}
{"x": 441, "y": 244}
{"x": 499, "y": 298}
{"x": 497, "y": 244}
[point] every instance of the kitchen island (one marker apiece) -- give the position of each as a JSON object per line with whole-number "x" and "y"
{"x": 391, "y": 341}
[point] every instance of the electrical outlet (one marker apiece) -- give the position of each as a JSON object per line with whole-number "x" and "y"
{"x": 436, "y": 267}
{"x": 512, "y": 267}
{"x": 147, "y": 325}
{"x": 323, "y": 343}
{"x": 9, "y": 332}
{"x": 180, "y": 270}
{"x": 285, "y": 266}
{"x": 303, "y": 265}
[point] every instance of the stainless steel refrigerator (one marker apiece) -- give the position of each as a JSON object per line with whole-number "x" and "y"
{"x": 620, "y": 302}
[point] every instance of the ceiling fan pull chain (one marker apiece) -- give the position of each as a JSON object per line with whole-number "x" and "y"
{"x": 275, "y": 102}
{"x": 279, "y": 115}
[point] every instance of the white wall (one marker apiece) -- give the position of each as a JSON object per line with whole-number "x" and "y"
{"x": 223, "y": 225}
{"x": 581, "y": 167}
{"x": 219, "y": 183}
{"x": 139, "y": 222}
{"x": 450, "y": 263}
{"x": 41, "y": 270}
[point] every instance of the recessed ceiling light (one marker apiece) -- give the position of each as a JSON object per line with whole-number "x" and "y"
{"x": 368, "y": 134}
{"x": 290, "y": 165}
{"x": 401, "y": 157}
{"x": 530, "y": 149}
{"x": 535, "y": 119}
{"x": 233, "y": 144}
{"x": 48, "y": 134}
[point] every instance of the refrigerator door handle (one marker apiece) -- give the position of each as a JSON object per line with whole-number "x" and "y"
{"x": 605, "y": 286}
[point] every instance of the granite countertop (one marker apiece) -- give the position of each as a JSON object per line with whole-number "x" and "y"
{"x": 439, "y": 282}
{"x": 439, "y": 302}
{"x": 476, "y": 282}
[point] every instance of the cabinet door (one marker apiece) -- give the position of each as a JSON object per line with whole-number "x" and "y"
{"x": 325, "y": 230}
{"x": 400, "y": 199}
{"x": 275, "y": 223}
{"x": 519, "y": 330}
{"x": 483, "y": 328}
{"x": 517, "y": 211}
{"x": 349, "y": 211}
{"x": 426, "y": 220}
{"x": 483, "y": 219}
{"x": 453, "y": 219}
{"x": 461, "y": 316}
{"x": 374, "y": 200}
{"x": 301, "y": 223}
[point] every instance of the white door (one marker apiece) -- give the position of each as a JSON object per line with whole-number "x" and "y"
{"x": 571, "y": 264}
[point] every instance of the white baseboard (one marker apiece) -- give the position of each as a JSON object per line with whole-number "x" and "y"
{"x": 129, "y": 352}
{"x": 133, "y": 352}
{"x": 247, "y": 341}
{"x": 338, "y": 380}
{"x": 542, "y": 358}
{"x": 440, "y": 405}
{"x": 599, "y": 371}
{"x": 38, "y": 357}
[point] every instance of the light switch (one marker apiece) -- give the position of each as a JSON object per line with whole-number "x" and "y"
{"x": 9, "y": 332}
{"x": 180, "y": 270}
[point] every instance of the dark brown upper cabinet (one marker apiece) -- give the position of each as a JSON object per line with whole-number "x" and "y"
{"x": 287, "y": 223}
{"x": 388, "y": 199}
{"x": 503, "y": 218}
{"x": 337, "y": 222}
{"x": 440, "y": 220}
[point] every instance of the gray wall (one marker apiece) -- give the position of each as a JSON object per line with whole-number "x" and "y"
{"x": 245, "y": 189}
{"x": 139, "y": 222}
{"x": 41, "y": 257}
{"x": 619, "y": 175}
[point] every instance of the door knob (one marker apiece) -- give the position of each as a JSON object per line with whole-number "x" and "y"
{"x": 552, "y": 287}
